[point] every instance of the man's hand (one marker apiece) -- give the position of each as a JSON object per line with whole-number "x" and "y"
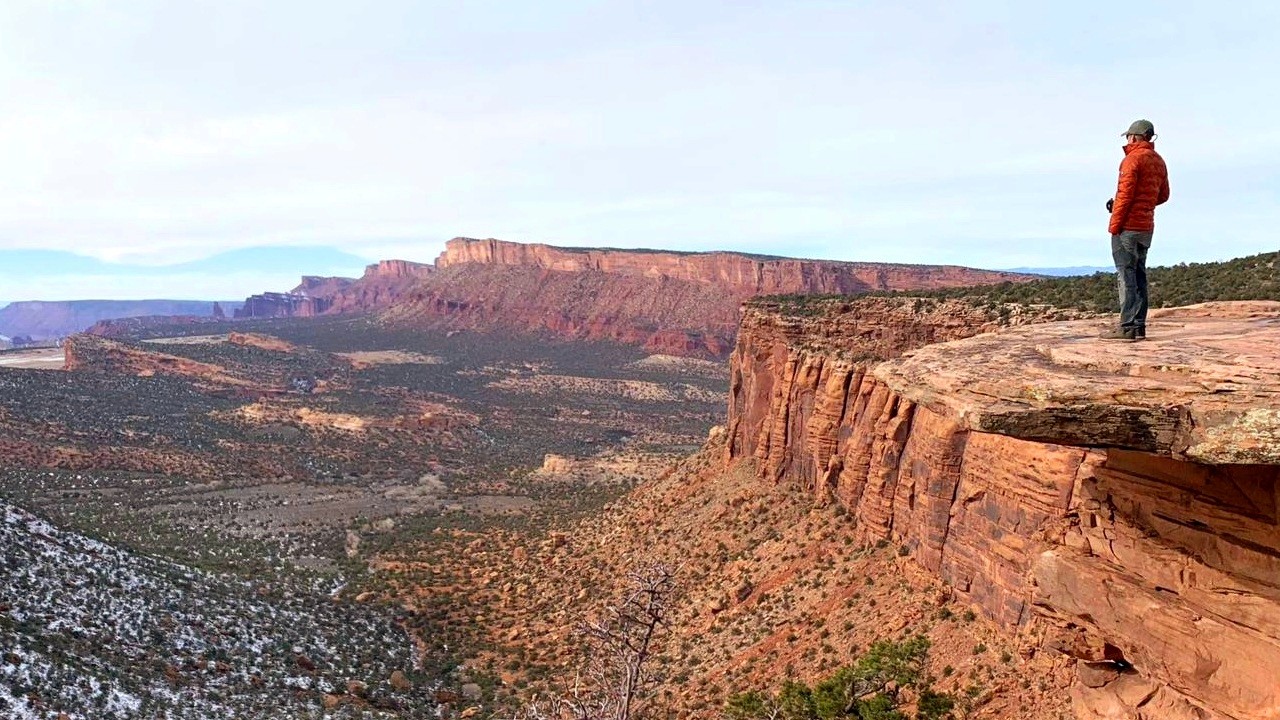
{"x": 1110, "y": 204}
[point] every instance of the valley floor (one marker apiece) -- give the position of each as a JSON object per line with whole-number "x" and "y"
{"x": 771, "y": 588}
{"x": 192, "y": 527}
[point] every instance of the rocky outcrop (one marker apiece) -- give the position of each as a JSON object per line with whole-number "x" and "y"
{"x": 382, "y": 284}
{"x": 134, "y": 326}
{"x": 1121, "y": 501}
{"x": 313, "y": 296}
{"x": 90, "y": 353}
{"x": 234, "y": 366}
{"x": 261, "y": 342}
{"x": 274, "y": 304}
{"x": 397, "y": 269}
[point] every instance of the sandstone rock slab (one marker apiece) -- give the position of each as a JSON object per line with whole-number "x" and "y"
{"x": 1204, "y": 386}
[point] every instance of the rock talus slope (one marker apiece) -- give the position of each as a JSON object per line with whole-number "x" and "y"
{"x": 1120, "y": 502}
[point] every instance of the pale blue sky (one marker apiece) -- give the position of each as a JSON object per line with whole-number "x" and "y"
{"x": 977, "y": 133}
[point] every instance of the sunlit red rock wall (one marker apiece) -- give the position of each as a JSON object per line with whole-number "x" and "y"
{"x": 1104, "y": 554}
{"x": 740, "y": 275}
{"x": 669, "y": 302}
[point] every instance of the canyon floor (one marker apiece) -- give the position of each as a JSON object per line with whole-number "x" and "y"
{"x": 255, "y": 473}
{"x": 331, "y": 518}
{"x": 770, "y": 586}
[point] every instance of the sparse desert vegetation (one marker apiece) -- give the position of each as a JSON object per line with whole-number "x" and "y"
{"x": 223, "y": 502}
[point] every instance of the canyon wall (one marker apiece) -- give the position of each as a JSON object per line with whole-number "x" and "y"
{"x": 666, "y": 302}
{"x": 738, "y": 274}
{"x": 1119, "y": 503}
{"x": 670, "y": 302}
{"x": 662, "y": 315}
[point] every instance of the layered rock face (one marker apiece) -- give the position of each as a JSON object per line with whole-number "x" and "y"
{"x": 382, "y": 284}
{"x": 670, "y": 302}
{"x": 1119, "y": 501}
{"x": 395, "y": 269}
{"x": 274, "y": 304}
{"x": 662, "y": 315}
{"x": 738, "y": 274}
{"x": 313, "y": 296}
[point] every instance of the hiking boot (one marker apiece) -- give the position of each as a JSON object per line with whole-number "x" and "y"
{"x": 1140, "y": 333}
{"x": 1128, "y": 334}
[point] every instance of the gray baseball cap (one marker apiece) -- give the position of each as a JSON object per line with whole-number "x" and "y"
{"x": 1141, "y": 127}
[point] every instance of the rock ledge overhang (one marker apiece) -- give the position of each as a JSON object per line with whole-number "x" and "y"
{"x": 1204, "y": 386}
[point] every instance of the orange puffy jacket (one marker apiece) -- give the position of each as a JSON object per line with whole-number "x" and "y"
{"x": 1144, "y": 184}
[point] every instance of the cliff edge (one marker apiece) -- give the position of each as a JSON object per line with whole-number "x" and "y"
{"x": 1120, "y": 503}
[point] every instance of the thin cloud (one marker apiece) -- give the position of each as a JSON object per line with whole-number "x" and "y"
{"x": 978, "y": 133}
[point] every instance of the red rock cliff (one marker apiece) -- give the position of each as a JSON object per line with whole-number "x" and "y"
{"x": 382, "y": 284}
{"x": 1121, "y": 502}
{"x": 396, "y": 269}
{"x": 681, "y": 303}
{"x": 660, "y": 314}
{"x": 740, "y": 275}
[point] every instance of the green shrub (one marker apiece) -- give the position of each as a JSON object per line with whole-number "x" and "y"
{"x": 934, "y": 705}
{"x": 795, "y": 701}
{"x": 869, "y": 686}
{"x": 747, "y": 706}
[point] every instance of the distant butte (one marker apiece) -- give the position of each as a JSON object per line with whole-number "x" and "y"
{"x": 682, "y": 303}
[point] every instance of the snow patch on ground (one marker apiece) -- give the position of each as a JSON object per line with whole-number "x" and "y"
{"x": 96, "y": 632}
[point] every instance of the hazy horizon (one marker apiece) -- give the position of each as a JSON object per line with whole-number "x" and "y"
{"x": 983, "y": 134}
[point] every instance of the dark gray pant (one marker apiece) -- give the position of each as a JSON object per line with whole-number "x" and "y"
{"x": 1129, "y": 251}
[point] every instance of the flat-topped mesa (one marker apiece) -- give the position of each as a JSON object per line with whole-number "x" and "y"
{"x": 396, "y": 269}
{"x": 276, "y": 304}
{"x": 668, "y": 302}
{"x": 1120, "y": 500}
{"x": 743, "y": 275}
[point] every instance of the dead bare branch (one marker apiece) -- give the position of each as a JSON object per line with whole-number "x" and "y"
{"x": 616, "y": 681}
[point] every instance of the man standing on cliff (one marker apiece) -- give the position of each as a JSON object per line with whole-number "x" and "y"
{"x": 1144, "y": 184}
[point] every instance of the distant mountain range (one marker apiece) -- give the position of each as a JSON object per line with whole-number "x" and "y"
{"x": 1062, "y": 271}
{"x": 40, "y": 320}
{"x": 59, "y": 275}
{"x": 59, "y": 262}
